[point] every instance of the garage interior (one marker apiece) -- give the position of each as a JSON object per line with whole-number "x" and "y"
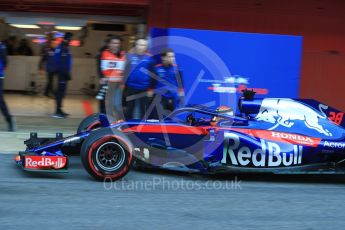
{"x": 319, "y": 22}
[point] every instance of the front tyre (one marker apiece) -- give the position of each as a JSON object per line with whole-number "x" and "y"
{"x": 107, "y": 155}
{"x": 91, "y": 122}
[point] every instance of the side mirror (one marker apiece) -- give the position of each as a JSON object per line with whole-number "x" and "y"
{"x": 104, "y": 120}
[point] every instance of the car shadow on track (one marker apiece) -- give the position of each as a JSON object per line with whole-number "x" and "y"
{"x": 254, "y": 177}
{"x": 288, "y": 178}
{"x": 77, "y": 172}
{"x": 41, "y": 175}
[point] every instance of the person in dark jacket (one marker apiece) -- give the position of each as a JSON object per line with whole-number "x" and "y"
{"x": 138, "y": 81}
{"x": 10, "y": 45}
{"x": 24, "y": 48}
{"x": 47, "y": 64}
{"x": 63, "y": 60}
{"x": 169, "y": 84}
{"x": 3, "y": 63}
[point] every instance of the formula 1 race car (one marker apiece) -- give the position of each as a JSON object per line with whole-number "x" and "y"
{"x": 274, "y": 135}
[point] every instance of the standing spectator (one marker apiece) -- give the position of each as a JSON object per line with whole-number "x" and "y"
{"x": 48, "y": 64}
{"x": 63, "y": 60}
{"x": 10, "y": 44}
{"x": 3, "y": 63}
{"x": 169, "y": 81}
{"x": 112, "y": 63}
{"x": 98, "y": 57}
{"x": 24, "y": 48}
{"x": 138, "y": 80}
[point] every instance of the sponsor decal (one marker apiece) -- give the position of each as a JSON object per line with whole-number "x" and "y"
{"x": 327, "y": 151}
{"x": 337, "y": 118}
{"x": 41, "y": 162}
{"x": 72, "y": 140}
{"x": 269, "y": 155}
{"x": 143, "y": 154}
{"x": 112, "y": 65}
{"x": 291, "y": 138}
{"x": 232, "y": 84}
{"x": 338, "y": 145}
{"x": 218, "y": 88}
{"x": 294, "y": 138}
{"x": 261, "y": 91}
{"x": 285, "y": 112}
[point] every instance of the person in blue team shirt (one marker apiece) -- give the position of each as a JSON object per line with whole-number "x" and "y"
{"x": 3, "y": 63}
{"x": 63, "y": 60}
{"x": 169, "y": 83}
{"x": 138, "y": 82}
{"x": 47, "y": 63}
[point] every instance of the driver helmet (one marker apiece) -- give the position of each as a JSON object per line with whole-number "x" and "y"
{"x": 223, "y": 109}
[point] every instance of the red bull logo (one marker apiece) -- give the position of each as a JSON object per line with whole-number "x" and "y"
{"x": 269, "y": 155}
{"x": 285, "y": 112}
{"x": 39, "y": 162}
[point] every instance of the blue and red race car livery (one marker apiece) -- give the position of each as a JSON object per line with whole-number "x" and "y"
{"x": 273, "y": 135}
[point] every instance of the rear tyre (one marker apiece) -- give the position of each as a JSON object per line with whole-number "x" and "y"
{"x": 107, "y": 154}
{"x": 91, "y": 122}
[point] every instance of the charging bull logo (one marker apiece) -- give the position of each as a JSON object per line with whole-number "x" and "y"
{"x": 284, "y": 112}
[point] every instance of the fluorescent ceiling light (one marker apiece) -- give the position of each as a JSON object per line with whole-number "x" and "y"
{"x": 23, "y": 26}
{"x": 35, "y": 35}
{"x": 68, "y": 27}
{"x": 46, "y": 23}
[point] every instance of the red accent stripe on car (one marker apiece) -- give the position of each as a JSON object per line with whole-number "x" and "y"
{"x": 291, "y": 138}
{"x": 171, "y": 129}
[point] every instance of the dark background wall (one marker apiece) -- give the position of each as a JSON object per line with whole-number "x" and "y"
{"x": 321, "y": 22}
{"x": 93, "y": 7}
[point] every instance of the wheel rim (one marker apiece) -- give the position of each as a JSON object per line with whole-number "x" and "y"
{"x": 110, "y": 156}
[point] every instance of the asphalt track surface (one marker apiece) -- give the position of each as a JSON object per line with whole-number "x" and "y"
{"x": 161, "y": 200}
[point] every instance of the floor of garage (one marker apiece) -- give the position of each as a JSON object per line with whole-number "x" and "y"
{"x": 33, "y": 114}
